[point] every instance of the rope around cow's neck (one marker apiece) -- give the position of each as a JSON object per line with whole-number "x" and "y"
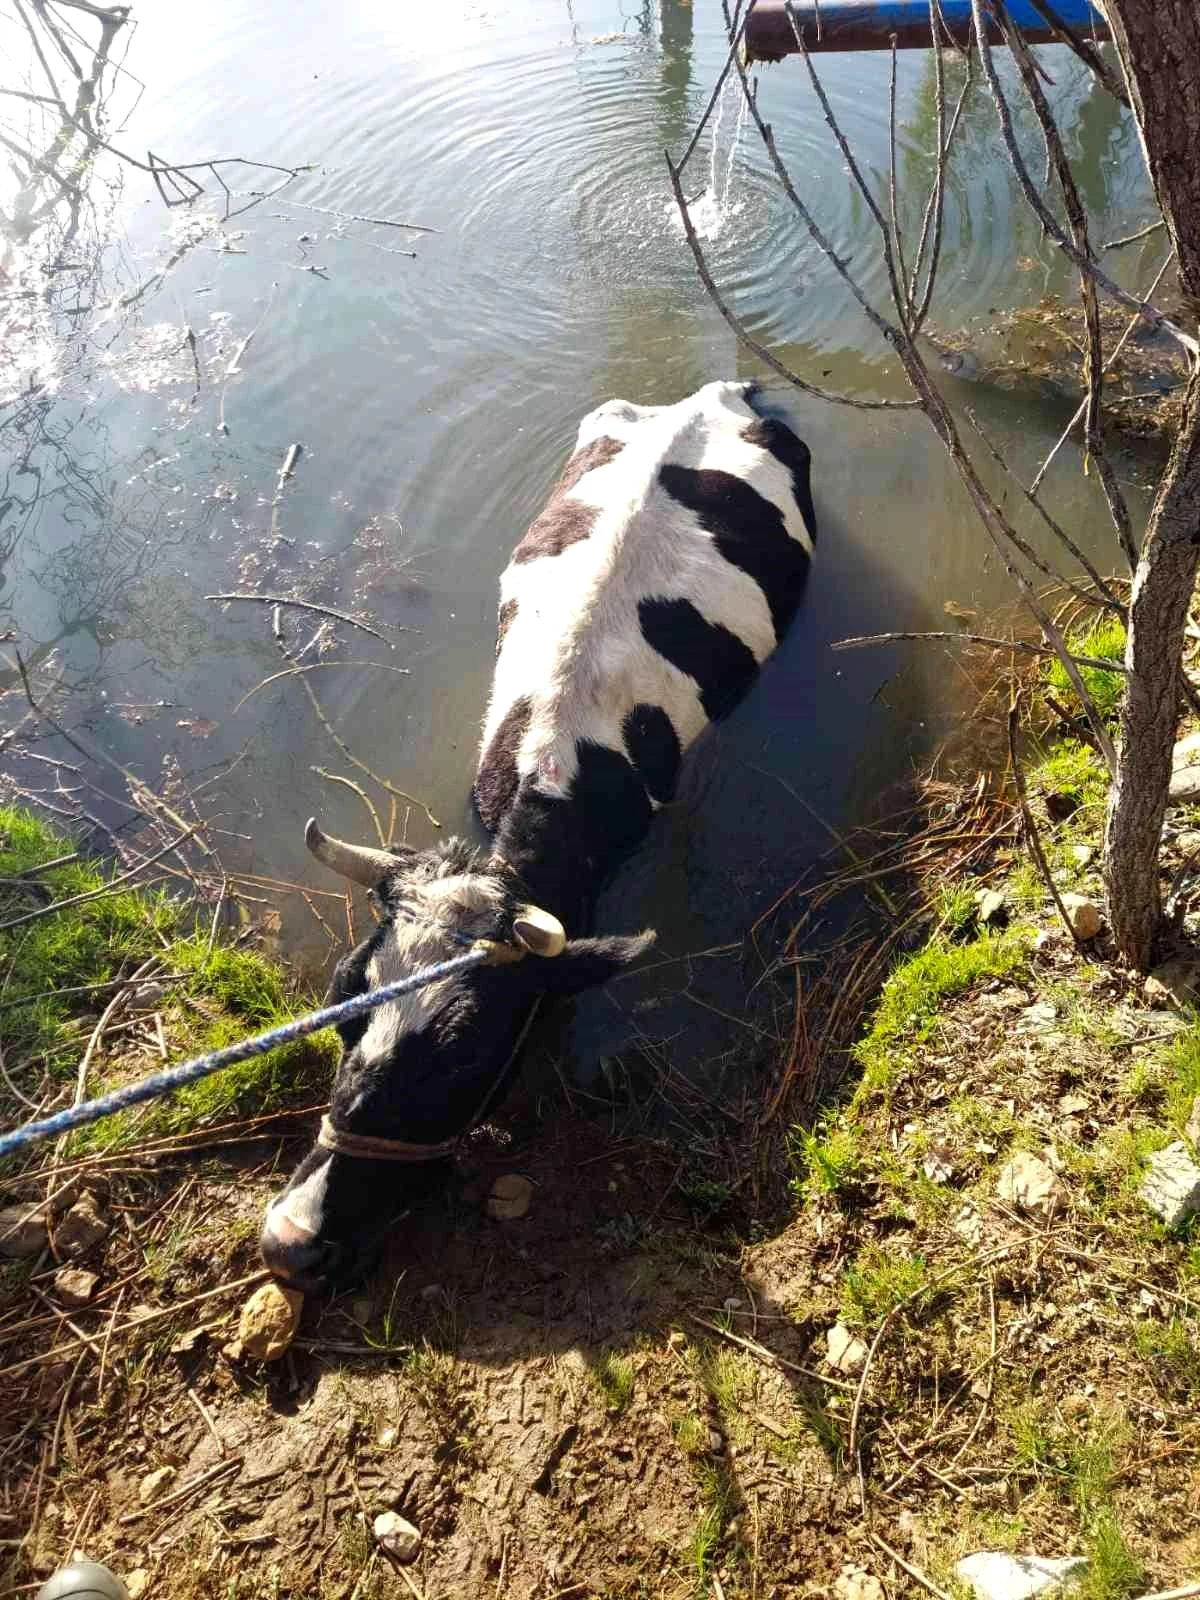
{"x": 163, "y": 1083}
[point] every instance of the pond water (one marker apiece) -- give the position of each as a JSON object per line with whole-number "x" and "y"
{"x": 436, "y": 396}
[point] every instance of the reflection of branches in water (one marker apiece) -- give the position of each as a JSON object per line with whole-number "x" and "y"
{"x": 74, "y": 126}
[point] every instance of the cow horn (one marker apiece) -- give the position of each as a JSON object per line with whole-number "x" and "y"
{"x": 354, "y": 861}
{"x": 538, "y": 932}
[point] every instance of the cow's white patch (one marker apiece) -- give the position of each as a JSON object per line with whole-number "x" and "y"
{"x": 464, "y": 904}
{"x": 574, "y": 645}
{"x": 304, "y": 1205}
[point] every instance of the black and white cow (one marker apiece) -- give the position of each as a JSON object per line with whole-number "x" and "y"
{"x": 638, "y": 607}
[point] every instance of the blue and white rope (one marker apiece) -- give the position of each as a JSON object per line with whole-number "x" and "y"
{"x": 163, "y": 1083}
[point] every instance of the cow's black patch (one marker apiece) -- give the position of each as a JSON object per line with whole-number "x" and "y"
{"x": 721, "y": 664}
{"x": 653, "y": 747}
{"x": 565, "y": 521}
{"x": 504, "y": 621}
{"x": 748, "y": 531}
{"x": 768, "y": 433}
{"x": 609, "y": 808}
{"x": 497, "y": 777}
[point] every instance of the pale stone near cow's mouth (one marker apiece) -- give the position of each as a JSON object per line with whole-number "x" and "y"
{"x": 510, "y": 1198}
{"x": 268, "y": 1323}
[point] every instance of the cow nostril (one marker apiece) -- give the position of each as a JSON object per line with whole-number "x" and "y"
{"x": 291, "y": 1253}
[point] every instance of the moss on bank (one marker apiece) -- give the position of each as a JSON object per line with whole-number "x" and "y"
{"x": 1036, "y": 1377}
{"x": 59, "y": 970}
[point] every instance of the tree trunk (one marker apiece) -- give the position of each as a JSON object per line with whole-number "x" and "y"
{"x": 1158, "y": 42}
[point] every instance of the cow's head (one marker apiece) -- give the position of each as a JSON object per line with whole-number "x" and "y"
{"x": 424, "y": 1068}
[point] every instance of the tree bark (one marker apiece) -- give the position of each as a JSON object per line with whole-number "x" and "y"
{"x": 1158, "y": 42}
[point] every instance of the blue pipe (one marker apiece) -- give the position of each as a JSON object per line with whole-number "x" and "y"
{"x": 871, "y": 24}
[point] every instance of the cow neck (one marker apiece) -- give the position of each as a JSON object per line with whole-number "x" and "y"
{"x": 541, "y": 845}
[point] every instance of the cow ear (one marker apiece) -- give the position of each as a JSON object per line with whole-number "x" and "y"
{"x": 586, "y": 962}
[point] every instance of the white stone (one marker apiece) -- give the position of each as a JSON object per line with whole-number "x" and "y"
{"x": 153, "y": 1482}
{"x": 1171, "y": 1187}
{"x": 1030, "y": 1185}
{"x": 991, "y": 906}
{"x": 1084, "y": 914}
{"x": 1185, "y": 784}
{"x": 396, "y": 1536}
{"x": 938, "y": 1165}
{"x": 1186, "y": 752}
{"x": 844, "y": 1352}
{"x": 997, "y": 1575}
{"x": 855, "y": 1583}
{"x": 137, "y": 1583}
{"x": 22, "y": 1231}
{"x": 1083, "y": 855}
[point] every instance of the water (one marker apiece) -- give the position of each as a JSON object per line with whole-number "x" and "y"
{"x": 436, "y": 398}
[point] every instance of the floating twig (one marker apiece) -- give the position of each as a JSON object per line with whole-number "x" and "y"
{"x": 1023, "y": 645}
{"x": 315, "y": 666}
{"x": 309, "y": 605}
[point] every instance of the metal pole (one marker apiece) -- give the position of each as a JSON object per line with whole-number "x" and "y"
{"x": 830, "y": 25}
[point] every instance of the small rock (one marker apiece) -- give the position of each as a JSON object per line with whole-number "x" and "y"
{"x": 677, "y": 1338}
{"x": 1030, "y": 1185}
{"x": 855, "y": 1583}
{"x": 268, "y": 1323}
{"x": 80, "y": 1229}
{"x": 1187, "y": 842}
{"x": 716, "y": 1441}
{"x": 153, "y": 1482}
{"x": 396, "y": 1537}
{"x": 23, "y": 1231}
{"x": 1175, "y": 982}
{"x": 361, "y": 1311}
{"x": 387, "y": 1438}
{"x": 1185, "y": 785}
{"x": 1043, "y": 938}
{"x": 1186, "y": 752}
{"x": 991, "y": 906}
{"x": 938, "y": 1165}
{"x": 75, "y": 1285}
{"x": 1083, "y": 855}
{"x": 844, "y": 1352}
{"x": 1084, "y": 914}
{"x": 732, "y": 1303}
{"x": 510, "y": 1198}
{"x": 1040, "y": 1015}
{"x": 1192, "y": 1126}
{"x": 997, "y": 1575}
{"x": 1073, "y": 1105}
{"x": 432, "y": 1291}
{"x": 137, "y": 1583}
{"x": 1171, "y": 1187}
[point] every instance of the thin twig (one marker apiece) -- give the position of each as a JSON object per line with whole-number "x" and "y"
{"x": 1132, "y": 238}
{"x": 1022, "y": 645}
{"x": 308, "y": 605}
{"x": 349, "y": 783}
{"x": 316, "y": 666}
{"x": 1031, "y": 832}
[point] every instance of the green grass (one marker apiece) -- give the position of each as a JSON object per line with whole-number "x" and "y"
{"x": 706, "y": 1537}
{"x": 614, "y": 1375}
{"x": 1073, "y": 769}
{"x": 1107, "y": 642}
{"x": 876, "y": 1282}
{"x": 1171, "y": 1351}
{"x": 908, "y": 1006}
{"x": 1182, "y": 1063}
{"x": 827, "y": 1163}
{"x": 1113, "y": 1571}
{"x": 236, "y": 992}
